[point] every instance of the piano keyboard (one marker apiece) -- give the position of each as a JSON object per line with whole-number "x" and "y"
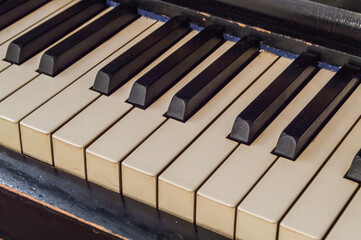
{"x": 222, "y": 134}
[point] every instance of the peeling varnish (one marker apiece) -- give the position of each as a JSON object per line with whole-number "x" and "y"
{"x": 245, "y": 26}
{"x": 258, "y": 29}
{"x": 241, "y": 24}
{"x": 204, "y": 14}
{"x": 261, "y": 30}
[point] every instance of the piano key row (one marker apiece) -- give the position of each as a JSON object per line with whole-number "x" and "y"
{"x": 183, "y": 121}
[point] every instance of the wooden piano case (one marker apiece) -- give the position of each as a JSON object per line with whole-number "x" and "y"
{"x": 39, "y": 202}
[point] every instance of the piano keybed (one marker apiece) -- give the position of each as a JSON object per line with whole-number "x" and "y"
{"x": 222, "y": 134}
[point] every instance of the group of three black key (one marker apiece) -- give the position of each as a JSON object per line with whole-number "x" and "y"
{"x": 248, "y": 125}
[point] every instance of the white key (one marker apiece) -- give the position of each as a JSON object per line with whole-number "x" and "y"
{"x": 70, "y": 142}
{"x": 316, "y": 210}
{"x": 260, "y": 212}
{"x": 178, "y": 183}
{"x": 3, "y": 64}
{"x": 110, "y": 149}
{"x": 347, "y": 226}
{"x": 17, "y": 76}
{"x": 142, "y": 167}
{"x": 25, "y": 100}
{"x": 218, "y": 198}
{"x": 27, "y": 23}
{"x": 36, "y": 129}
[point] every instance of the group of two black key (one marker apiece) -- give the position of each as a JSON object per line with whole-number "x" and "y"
{"x": 300, "y": 132}
{"x": 147, "y": 89}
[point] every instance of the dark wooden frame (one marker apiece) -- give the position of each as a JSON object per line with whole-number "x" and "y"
{"x": 38, "y": 201}
{"x": 329, "y": 28}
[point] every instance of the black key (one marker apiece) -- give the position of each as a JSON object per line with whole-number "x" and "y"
{"x": 166, "y": 74}
{"x": 10, "y": 5}
{"x": 301, "y": 131}
{"x": 354, "y": 173}
{"x": 34, "y": 41}
{"x": 263, "y": 109}
{"x": 85, "y": 40}
{"x": 123, "y": 68}
{"x": 11, "y": 11}
{"x": 202, "y": 88}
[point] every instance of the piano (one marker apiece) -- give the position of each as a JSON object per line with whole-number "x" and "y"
{"x": 173, "y": 119}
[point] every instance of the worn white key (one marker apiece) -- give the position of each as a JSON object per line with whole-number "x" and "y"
{"x": 16, "y": 76}
{"x": 70, "y": 141}
{"x": 318, "y": 207}
{"x": 142, "y": 167}
{"x": 27, "y": 23}
{"x": 28, "y": 98}
{"x": 347, "y": 226}
{"x": 178, "y": 183}
{"x": 112, "y": 147}
{"x": 260, "y": 212}
{"x": 218, "y": 198}
{"x": 36, "y": 129}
